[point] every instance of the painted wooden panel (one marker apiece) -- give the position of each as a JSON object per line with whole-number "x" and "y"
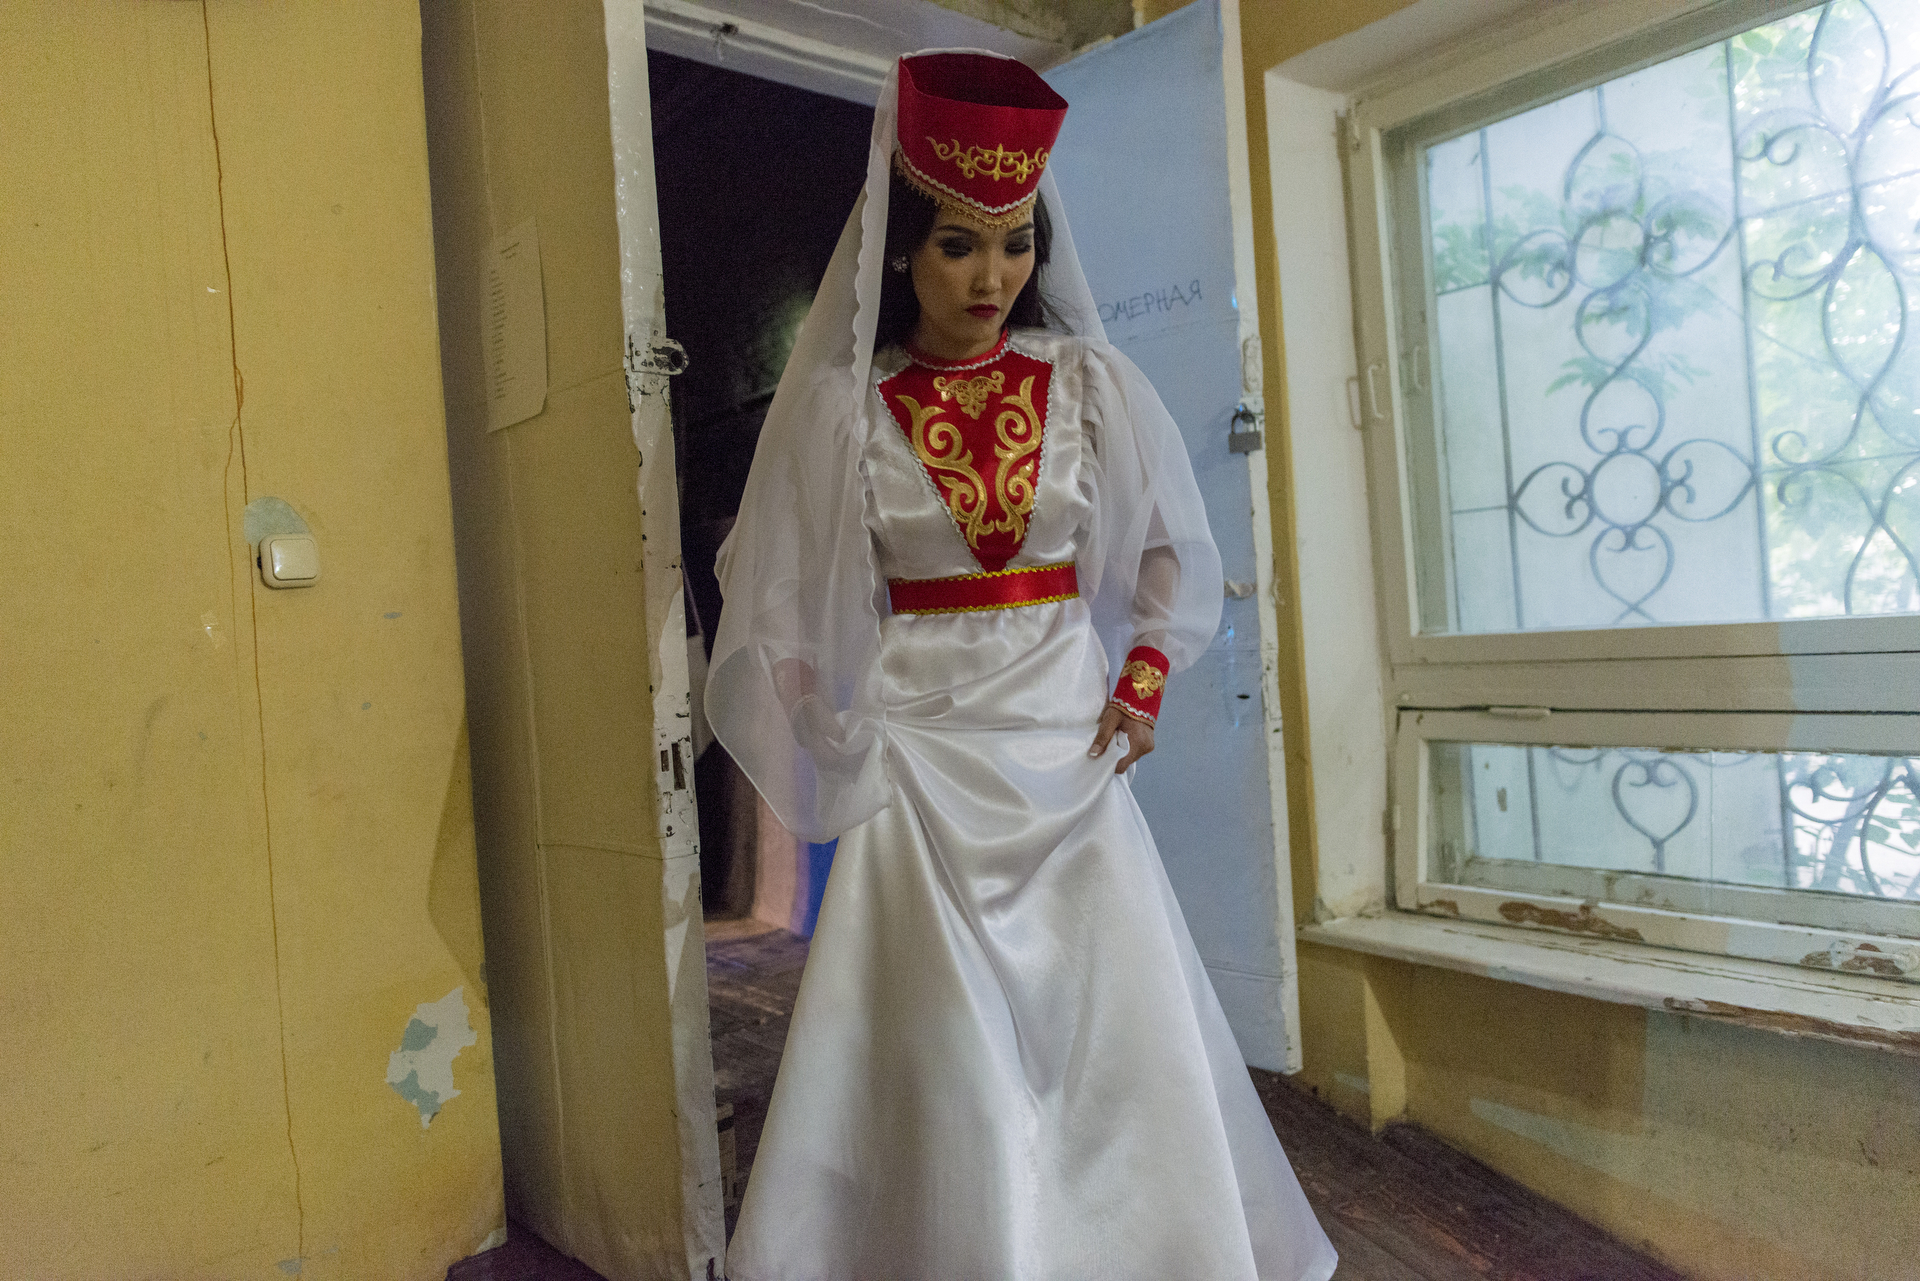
{"x": 238, "y": 856}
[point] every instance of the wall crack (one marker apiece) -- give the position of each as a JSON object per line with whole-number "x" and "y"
{"x": 237, "y": 451}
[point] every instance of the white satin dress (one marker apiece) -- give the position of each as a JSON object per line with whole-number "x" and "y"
{"x": 1006, "y": 1062}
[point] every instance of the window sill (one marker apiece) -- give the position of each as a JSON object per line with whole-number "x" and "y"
{"x": 1852, "y": 1009}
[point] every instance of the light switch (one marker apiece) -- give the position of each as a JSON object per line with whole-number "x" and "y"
{"x": 289, "y": 560}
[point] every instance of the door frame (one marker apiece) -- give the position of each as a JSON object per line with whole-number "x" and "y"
{"x": 718, "y": 37}
{"x": 1267, "y": 614}
{"x": 649, "y": 365}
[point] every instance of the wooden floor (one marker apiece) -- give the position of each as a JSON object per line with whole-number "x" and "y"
{"x": 1406, "y": 1207}
{"x": 751, "y": 983}
{"x": 1399, "y": 1207}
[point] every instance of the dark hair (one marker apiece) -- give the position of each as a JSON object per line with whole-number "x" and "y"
{"x": 910, "y": 214}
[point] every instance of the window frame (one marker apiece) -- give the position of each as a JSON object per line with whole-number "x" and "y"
{"x": 1613, "y": 686}
{"x": 1823, "y": 930}
{"x": 1387, "y": 292}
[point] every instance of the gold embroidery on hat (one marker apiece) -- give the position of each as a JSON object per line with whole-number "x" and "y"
{"x": 995, "y": 216}
{"x": 978, "y": 161}
{"x": 1147, "y": 679}
{"x": 972, "y": 393}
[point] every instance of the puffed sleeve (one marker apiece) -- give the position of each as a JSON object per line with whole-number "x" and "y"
{"x": 1158, "y": 570}
{"x": 792, "y": 690}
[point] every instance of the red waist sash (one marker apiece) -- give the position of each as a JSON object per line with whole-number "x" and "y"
{"x": 1002, "y": 589}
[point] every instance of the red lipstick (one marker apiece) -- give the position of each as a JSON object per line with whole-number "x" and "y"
{"x": 985, "y": 310}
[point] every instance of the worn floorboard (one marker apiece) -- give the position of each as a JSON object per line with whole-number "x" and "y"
{"x": 752, "y": 979}
{"x": 525, "y": 1257}
{"x": 1401, "y": 1206}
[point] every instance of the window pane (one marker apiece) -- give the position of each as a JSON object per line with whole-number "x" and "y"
{"x": 1675, "y": 340}
{"x": 1844, "y": 824}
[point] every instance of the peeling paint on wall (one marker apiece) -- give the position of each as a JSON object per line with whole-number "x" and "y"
{"x": 1359, "y": 1084}
{"x": 269, "y": 515}
{"x": 1614, "y": 1155}
{"x": 421, "y": 1070}
{"x": 1900, "y": 1040}
{"x": 1865, "y": 958}
{"x": 1586, "y": 921}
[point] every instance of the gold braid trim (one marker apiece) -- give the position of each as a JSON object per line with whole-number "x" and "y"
{"x": 987, "y": 573}
{"x": 991, "y": 573}
{"x": 1004, "y": 216}
{"x": 980, "y": 609}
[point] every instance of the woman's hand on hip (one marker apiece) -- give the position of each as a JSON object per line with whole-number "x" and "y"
{"x": 1139, "y": 737}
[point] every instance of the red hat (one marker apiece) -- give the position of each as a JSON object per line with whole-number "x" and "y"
{"x": 976, "y": 130}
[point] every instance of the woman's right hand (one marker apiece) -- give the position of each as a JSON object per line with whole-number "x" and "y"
{"x": 1139, "y": 736}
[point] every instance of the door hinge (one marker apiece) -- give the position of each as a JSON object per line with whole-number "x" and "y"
{"x": 1349, "y": 132}
{"x": 660, "y": 358}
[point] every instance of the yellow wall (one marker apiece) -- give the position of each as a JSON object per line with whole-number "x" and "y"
{"x": 236, "y": 843}
{"x": 1729, "y": 1152}
{"x": 553, "y": 612}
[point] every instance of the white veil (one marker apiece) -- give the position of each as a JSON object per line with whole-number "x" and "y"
{"x": 798, "y": 572}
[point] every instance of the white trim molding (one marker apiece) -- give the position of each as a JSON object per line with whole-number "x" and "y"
{"x": 1853, "y": 1010}
{"x": 842, "y": 50}
{"x": 1252, "y": 397}
{"x": 721, "y": 39}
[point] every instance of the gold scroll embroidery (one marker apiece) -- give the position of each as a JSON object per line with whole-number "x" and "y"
{"x": 1147, "y": 679}
{"x": 943, "y": 452}
{"x": 971, "y": 392}
{"x": 978, "y": 161}
{"x": 1019, "y": 430}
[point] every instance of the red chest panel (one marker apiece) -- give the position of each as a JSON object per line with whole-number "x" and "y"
{"x": 977, "y": 428}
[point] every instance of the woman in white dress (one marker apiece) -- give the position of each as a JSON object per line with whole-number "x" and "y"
{"x": 967, "y": 511}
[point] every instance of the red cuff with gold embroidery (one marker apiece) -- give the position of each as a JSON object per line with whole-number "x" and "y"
{"x": 1142, "y": 678}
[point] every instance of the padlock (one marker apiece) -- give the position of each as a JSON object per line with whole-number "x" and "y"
{"x": 1244, "y": 440}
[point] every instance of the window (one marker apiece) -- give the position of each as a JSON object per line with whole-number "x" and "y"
{"x": 1640, "y": 338}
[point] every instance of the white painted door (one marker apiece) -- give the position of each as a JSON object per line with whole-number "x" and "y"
{"x": 650, "y": 359}
{"x": 1152, "y": 166}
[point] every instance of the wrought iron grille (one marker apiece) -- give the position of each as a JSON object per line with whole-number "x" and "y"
{"x": 1675, "y": 371}
{"x": 1840, "y": 823}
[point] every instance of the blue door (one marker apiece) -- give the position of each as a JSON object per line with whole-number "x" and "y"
{"x": 1142, "y": 165}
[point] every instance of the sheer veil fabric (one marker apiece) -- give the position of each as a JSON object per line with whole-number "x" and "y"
{"x": 798, "y": 571}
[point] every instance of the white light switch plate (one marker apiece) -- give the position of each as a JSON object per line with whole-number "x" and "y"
{"x": 289, "y": 560}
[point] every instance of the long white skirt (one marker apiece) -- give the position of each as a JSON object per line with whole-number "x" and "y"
{"x": 1006, "y": 1062}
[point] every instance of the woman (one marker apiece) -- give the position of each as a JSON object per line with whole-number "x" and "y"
{"x": 966, "y": 510}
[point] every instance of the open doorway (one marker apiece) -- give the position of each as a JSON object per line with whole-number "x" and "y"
{"x": 755, "y": 181}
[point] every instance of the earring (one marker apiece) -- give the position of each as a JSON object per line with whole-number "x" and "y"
{"x": 898, "y": 262}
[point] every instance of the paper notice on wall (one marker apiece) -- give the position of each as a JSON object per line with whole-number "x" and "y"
{"x": 515, "y": 328}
